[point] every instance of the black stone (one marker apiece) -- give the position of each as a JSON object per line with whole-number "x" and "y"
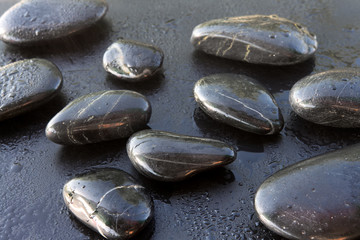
{"x": 32, "y": 21}
{"x": 255, "y": 39}
{"x": 239, "y": 101}
{"x": 100, "y": 117}
{"x": 27, "y": 84}
{"x": 110, "y": 202}
{"x": 165, "y": 156}
{"x": 318, "y": 198}
{"x": 330, "y": 98}
{"x": 132, "y": 61}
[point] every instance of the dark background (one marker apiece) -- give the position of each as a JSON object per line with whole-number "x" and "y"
{"x": 213, "y": 205}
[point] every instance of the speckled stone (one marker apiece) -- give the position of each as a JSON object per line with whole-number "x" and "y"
{"x": 165, "y": 156}
{"x": 110, "y": 202}
{"x": 32, "y": 21}
{"x": 239, "y": 101}
{"x": 255, "y": 39}
{"x": 330, "y": 98}
{"x": 318, "y": 198}
{"x": 100, "y": 116}
{"x": 27, "y": 84}
{"x": 132, "y": 61}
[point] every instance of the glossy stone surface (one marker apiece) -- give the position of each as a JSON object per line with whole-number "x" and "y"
{"x": 255, "y": 39}
{"x": 110, "y": 202}
{"x": 132, "y": 61}
{"x": 165, "y": 156}
{"x": 239, "y": 101}
{"x": 318, "y": 198}
{"x": 99, "y": 117}
{"x": 330, "y": 98}
{"x": 32, "y": 21}
{"x": 27, "y": 84}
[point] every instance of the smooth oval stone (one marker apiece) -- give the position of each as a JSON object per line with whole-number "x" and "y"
{"x": 330, "y": 98}
{"x": 165, "y": 156}
{"x": 110, "y": 202}
{"x": 318, "y": 198}
{"x": 132, "y": 61}
{"x": 32, "y": 21}
{"x": 100, "y": 116}
{"x": 255, "y": 39}
{"x": 239, "y": 101}
{"x": 27, "y": 84}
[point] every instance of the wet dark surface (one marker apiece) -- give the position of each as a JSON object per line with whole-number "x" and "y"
{"x": 212, "y": 205}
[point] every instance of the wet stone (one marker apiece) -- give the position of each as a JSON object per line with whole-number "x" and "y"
{"x": 165, "y": 156}
{"x": 330, "y": 98}
{"x": 110, "y": 202}
{"x": 32, "y": 21}
{"x": 255, "y": 39}
{"x": 318, "y": 198}
{"x": 100, "y": 116}
{"x": 132, "y": 61}
{"x": 27, "y": 84}
{"x": 239, "y": 101}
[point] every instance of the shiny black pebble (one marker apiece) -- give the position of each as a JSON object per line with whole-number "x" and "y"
{"x": 110, "y": 202}
{"x": 318, "y": 198}
{"x": 132, "y": 61}
{"x": 239, "y": 101}
{"x": 100, "y": 117}
{"x": 32, "y": 21}
{"x": 255, "y": 39}
{"x": 165, "y": 156}
{"x": 330, "y": 98}
{"x": 27, "y": 84}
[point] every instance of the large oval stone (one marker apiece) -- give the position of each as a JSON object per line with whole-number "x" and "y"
{"x": 165, "y": 156}
{"x": 318, "y": 198}
{"x": 330, "y": 98}
{"x": 110, "y": 202}
{"x": 132, "y": 61}
{"x": 27, "y": 84}
{"x": 32, "y": 21}
{"x": 255, "y": 39}
{"x": 100, "y": 116}
{"x": 239, "y": 101}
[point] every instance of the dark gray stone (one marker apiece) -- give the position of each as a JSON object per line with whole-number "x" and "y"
{"x": 27, "y": 84}
{"x": 110, "y": 202}
{"x": 32, "y": 21}
{"x": 239, "y": 101}
{"x": 100, "y": 116}
{"x": 132, "y": 61}
{"x": 255, "y": 39}
{"x": 165, "y": 156}
{"x": 330, "y": 98}
{"x": 314, "y": 199}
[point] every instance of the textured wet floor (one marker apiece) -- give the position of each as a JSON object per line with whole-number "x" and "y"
{"x": 213, "y": 205}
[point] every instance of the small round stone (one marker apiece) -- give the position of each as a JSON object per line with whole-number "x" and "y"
{"x": 100, "y": 116}
{"x": 32, "y": 21}
{"x": 27, "y": 84}
{"x": 110, "y": 202}
{"x": 132, "y": 61}
{"x": 330, "y": 98}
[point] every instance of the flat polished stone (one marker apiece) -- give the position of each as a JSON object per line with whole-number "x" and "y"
{"x": 165, "y": 156}
{"x": 255, "y": 39}
{"x": 318, "y": 198}
{"x": 239, "y": 101}
{"x": 32, "y": 21}
{"x": 330, "y": 98}
{"x": 110, "y": 202}
{"x": 100, "y": 116}
{"x": 132, "y": 61}
{"x": 27, "y": 84}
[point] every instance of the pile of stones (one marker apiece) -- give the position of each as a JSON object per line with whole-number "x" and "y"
{"x": 317, "y": 198}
